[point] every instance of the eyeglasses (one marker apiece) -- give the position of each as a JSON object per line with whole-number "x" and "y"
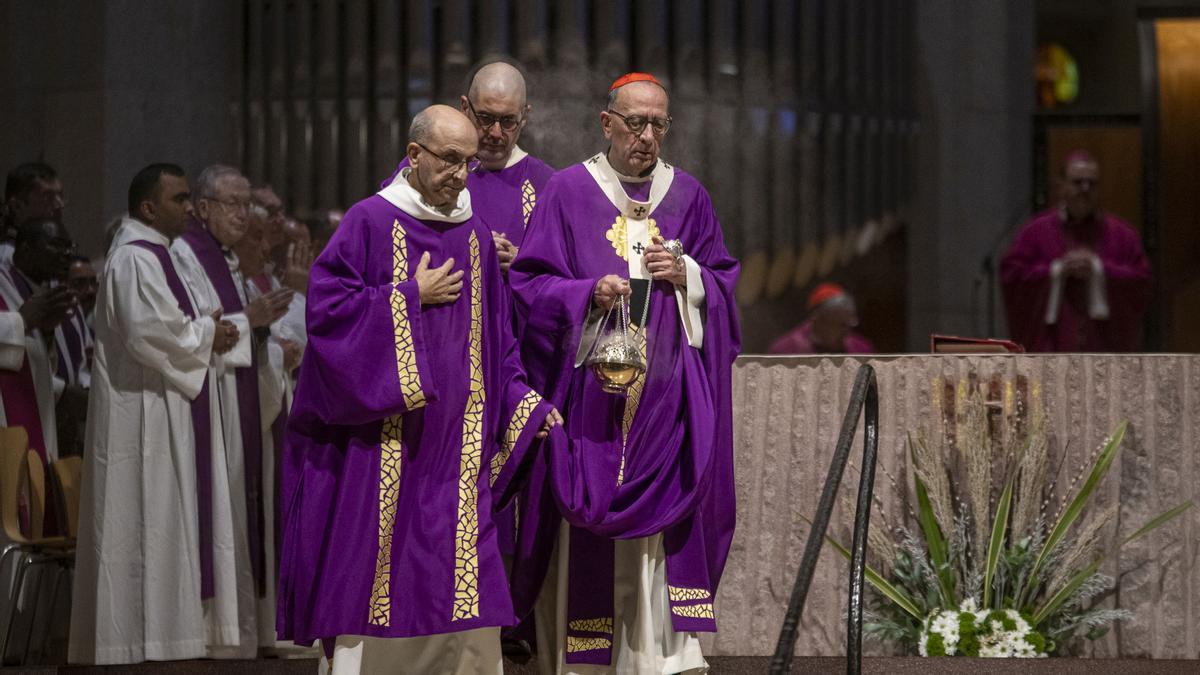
{"x": 637, "y": 124}
{"x": 470, "y": 163}
{"x": 234, "y": 205}
{"x": 486, "y": 120}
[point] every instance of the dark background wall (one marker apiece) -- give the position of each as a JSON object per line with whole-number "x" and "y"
{"x": 100, "y": 89}
{"x": 885, "y": 145}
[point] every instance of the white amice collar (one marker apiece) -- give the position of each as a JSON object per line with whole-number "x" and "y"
{"x": 515, "y": 156}
{"x": 406, "y": 198}
{"x": 610, "y": 183}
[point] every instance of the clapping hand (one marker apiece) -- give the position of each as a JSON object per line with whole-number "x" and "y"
{"x": 47, "y": 308}
{"x": 291, "y": 354}
{"x": 267, "y": 309}
{"x": 299, "y": 262}
{"x": 226, "y": 335}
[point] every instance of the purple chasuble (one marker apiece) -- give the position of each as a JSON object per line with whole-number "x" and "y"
{"x": 201, "y": 421}
{"x": 216, "y": 267}
{"x": 659, "y": 460}
{"x": 408, "y": 428}
{"x": 504, "y": 200}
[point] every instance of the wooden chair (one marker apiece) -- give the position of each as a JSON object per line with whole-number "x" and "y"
{"x": 65, "y": 474}
{"x": 20, "y": 466}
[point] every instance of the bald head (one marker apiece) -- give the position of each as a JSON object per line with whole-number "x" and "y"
{"x": 442, "y": 143}
{"x": 439, "y": 123}
{"x": 497, "y": 106}
{"x": 498, "y": 80}
{"x": 638, "y": 91}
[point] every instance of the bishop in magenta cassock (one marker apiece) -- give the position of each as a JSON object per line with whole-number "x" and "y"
{"x": 145, "y": 582}
{"x": 628, "y": 516}
{"x": 410, "y": 420}
{"x": 1075, "y": 278}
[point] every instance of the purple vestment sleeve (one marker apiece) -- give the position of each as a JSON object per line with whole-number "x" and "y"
{"x": 351, "y": 339}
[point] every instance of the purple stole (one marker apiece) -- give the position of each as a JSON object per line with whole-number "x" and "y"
{"x": 74, "y": 331}
{"x": 20, "y": 396}
{"x": 212, "y": 259}
{"x": 201, "y": 420}
{"x": 277, "y": 434}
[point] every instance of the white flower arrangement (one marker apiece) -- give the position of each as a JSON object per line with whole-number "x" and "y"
{"x": 969, "y": 631}
{"x": 999, "y": 559}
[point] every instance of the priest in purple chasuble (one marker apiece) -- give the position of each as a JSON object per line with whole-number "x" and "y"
{"x": 505, "y": 187}
{"x": 145, "y": 579}
{"x": 210, "y": 268}
{"x": 1075, "y": 278}
{"x": 628, "y": 514}
{"x": 411, "y": 419}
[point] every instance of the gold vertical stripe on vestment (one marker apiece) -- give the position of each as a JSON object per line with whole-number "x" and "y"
{"x": 406, "y": 356}
{"x": 466, "y": 560}
{"x": 528, "y": 201}
{"x": 520, "y": 418}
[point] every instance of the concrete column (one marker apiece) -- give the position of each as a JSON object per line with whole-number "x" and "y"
{"x": 100, "y": 89}
{"x": 975, "y": 88}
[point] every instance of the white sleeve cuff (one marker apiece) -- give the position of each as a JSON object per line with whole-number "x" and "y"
{"x": 1056, "y": 284}
{"x": 239, "y": 356}
{"x": 1097, "y": 291}
{"x": 691, "y": 301}
{"x": 587, "y": 338}
{"x": 12, "y": 340}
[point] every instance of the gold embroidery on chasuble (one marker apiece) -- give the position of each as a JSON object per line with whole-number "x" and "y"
{"x": 578, "y": 644}
{"x": 516, "y": 425}
{"x": 528, "y": 200}
{"x": 680, "y": 594}
{"x": 604, "y": 625}
{"x": 704, "y": 611}
{"x": 390, "y": 447}
{"x": 466, "y": 555}
{"x": 390, "y": 454}
{"x": 618, "y": 235}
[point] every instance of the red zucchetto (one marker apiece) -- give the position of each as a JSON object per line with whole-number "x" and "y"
{"x": 628, "y": 78}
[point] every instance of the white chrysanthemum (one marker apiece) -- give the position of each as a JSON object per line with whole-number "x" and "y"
{"x": 998, "y": 642}
{"x": 944, "y": 624}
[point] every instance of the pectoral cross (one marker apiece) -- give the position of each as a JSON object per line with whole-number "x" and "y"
{"x": 639, "y": 212}
{"x": 638, "y": 248}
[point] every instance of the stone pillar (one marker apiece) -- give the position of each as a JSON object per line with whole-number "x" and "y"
{"x": 974, "y": 64}
{"x": 99, "y": 90}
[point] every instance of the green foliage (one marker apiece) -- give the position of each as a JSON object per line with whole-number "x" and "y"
{"x": 1045, "y": 575}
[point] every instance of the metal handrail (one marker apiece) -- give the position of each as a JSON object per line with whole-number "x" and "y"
{"x": 865, "y": 394}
